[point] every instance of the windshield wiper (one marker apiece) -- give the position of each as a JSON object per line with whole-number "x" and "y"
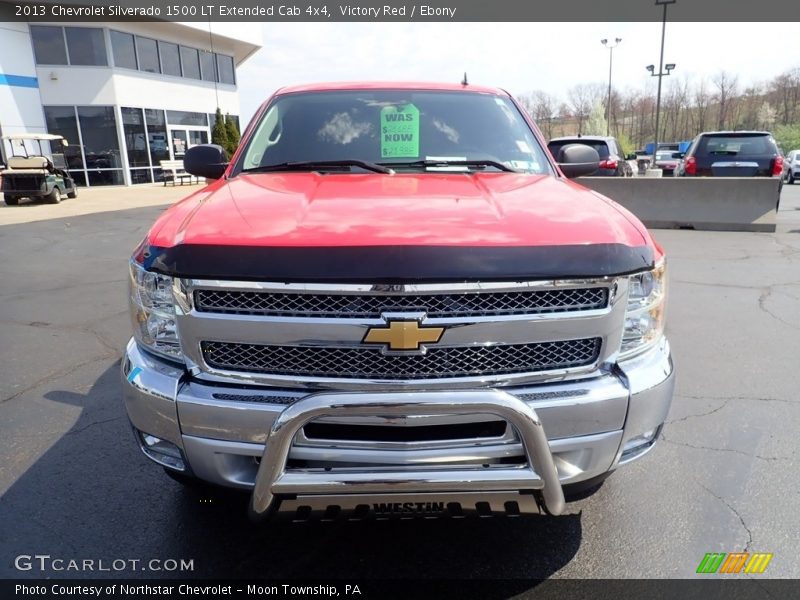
{"x": 314, "y": 165}
{"x": 475, "y": 164}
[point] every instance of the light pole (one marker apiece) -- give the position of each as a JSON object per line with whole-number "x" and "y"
{"x": 660, "y": 73}
{"x": 610, "y": 62}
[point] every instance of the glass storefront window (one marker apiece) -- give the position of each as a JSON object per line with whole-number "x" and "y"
{"x": 87, "y": 46}
{"x": 170, "y": 59}
{"x": 207, "y": 64}
{"x": 97, "y": 177}
{"x": 180, "y": 117}
{"x": 156, "y": 135}
{"x": 61, "y": 121}
{"x": 135, "y": 137}
{"x": 79, "y": 177}
{"x": 99, "y": 132}
{"x": 197, "y": 137}
{"x": 147, "y": 51}
{"x": 225, "y": 69}
{"x": 191, "y": 62}
{"x": 48, "y": 45}
{"x": 124, "y": 50}
{"x": 141, "y": 176}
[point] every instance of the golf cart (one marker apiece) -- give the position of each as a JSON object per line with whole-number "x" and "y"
{"x": 35, "y": 168}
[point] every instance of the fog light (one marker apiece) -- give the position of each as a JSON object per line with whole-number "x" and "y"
{"x": 161, "y": 451}
{"x": 639, "y": 444}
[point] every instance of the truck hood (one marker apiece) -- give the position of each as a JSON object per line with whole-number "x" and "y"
{"x": 305, "y": 218}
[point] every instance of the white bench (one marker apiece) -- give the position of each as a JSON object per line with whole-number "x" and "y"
{"x": 173, "y": 171}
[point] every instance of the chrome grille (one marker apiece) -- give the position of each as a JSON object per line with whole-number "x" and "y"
{"x": 454, "y": 304}
{"x": 371, "y": 363}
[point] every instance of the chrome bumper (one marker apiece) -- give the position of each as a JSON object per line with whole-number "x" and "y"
{"x": 540, "y": 474}
{"x": 246, "y": 439}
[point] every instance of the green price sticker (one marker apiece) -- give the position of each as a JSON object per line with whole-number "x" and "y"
{"x": 400, "y": 131}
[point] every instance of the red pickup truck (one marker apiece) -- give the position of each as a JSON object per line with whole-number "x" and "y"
{"x": 393, "y": 302}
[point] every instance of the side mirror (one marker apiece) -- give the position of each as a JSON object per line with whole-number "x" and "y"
{"x": 206, "y": 160}
{"x": 578, "y": 159}
{"x": 679, "y": 154}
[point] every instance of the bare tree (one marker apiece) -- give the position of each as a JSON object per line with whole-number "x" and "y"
{"x": 726, "y": 85}
{"x": 785, "y": 94}
{"x": 580, "y": 101}
{"x": 750, "y": 103}
{"x": 582, "y": 98}
{"x": 542, "y": 107}
{"x": 702, "y": 100}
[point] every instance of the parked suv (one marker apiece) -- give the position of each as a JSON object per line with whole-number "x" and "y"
{"x": 792, "y": 166}
{"x": 733, "y": 154}
{"x": 392, "y": 302}
{"x": 612, "y": 161}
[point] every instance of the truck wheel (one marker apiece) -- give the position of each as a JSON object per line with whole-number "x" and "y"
{"x": 11, "y": 200}
{"x": 184, "y": 479}
{"x": 53, "y": 197}
{"x": 73, "y": 193}
{"x": 584, "y": 489}
{"x": 203, "y": 488}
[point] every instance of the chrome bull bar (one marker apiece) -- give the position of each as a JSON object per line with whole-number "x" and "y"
{"x": 274, "y": 480}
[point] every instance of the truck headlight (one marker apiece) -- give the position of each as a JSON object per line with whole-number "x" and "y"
{"x": 153, "y": 312}
{"x": 644, "y": 316}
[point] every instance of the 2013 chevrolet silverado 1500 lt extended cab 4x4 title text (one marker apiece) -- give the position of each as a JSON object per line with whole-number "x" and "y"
{"x": 393, "y": 302}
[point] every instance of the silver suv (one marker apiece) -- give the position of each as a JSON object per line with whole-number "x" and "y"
{"x": 792, "y": 166}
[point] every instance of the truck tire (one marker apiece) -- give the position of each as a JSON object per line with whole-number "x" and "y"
{"x": 53, "y": 197}
{"x": 584, "y": 489}
{"x": 11, "y": 200}
{"x": 182, "y": 478}
{"x": 203, "y": 488}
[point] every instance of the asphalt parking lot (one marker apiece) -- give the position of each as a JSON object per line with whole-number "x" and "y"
{"x": 73, "y": 484}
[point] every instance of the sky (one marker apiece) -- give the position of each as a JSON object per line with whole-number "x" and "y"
{"x": 519, "y": 57}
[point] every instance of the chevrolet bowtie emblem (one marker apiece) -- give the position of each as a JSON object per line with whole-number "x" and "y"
{"x": 403, "y": 335}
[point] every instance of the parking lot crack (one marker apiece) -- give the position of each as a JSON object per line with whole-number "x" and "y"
{"x": 717, "y": 285}
{"x": 93, "y": 423}
{"x": 787, "y": 250}
{"x": 705, "y": 414}
{"x": 734, "y": 511}
{"x": 737, "y": 398}
{"x": 53, "y": 377}
{"x": 762, "y": 304}
{"x": 17, "y": 295}
{"x": 735, "y": 451}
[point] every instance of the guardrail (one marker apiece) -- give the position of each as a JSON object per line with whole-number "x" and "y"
{"x": 708, "y": 203}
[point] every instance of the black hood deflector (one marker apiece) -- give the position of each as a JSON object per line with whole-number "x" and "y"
{"x": 397, "y": 264}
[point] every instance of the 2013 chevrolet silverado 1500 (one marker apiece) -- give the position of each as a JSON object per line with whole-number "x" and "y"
{"x": 392, "y": 301}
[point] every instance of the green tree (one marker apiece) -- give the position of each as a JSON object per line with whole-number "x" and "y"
{"x": 625, "y": 144}
{"x": 596, "y": 123}
{"x": 219, "y": 133}
{"x": 788, "y": 137}
{"x": 233, "y": 134}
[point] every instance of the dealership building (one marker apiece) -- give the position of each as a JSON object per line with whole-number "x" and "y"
{"x": 125, "y": 95}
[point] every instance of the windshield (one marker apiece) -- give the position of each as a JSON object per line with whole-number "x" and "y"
{"x": 396, "y": 128}
{"x": 26, "y": 147}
